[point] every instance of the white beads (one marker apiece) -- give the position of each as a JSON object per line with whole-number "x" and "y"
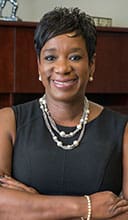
{"x": 59, "y": 143}
{"x": 51, "y": 125}
{"x": 62, "y": 134}
{"x": 71, "y": 134}
{"x": 79, "y": 126}
{"x": 75, "y": 143}
{"x": 54, "y": 138}
{"x": 81, "y": 120}
{"x": 89, "y": 207}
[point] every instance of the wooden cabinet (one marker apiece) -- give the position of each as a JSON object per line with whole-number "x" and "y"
{"x": 19, "y": 75}
{"x": 110, "y": 86}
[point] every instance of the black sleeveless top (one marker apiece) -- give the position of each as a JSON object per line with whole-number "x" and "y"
{"x": 95, "y": 165}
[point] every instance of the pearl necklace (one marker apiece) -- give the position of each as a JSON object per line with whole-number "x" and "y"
{"x": 51, "y": 125}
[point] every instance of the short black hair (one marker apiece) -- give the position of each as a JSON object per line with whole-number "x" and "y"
{"x": 63, "y": 20}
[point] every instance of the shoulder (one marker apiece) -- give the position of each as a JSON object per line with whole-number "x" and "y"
{"x": 6, "y": 115}
{"x": 7, "y": 123}
{"x": 125, "y": 163}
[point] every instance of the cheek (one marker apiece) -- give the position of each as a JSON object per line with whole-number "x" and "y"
{"x": 45, "y": 71}
{"x": 84, "y": 72}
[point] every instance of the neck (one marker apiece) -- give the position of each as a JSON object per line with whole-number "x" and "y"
{"x": 65, "y": 113}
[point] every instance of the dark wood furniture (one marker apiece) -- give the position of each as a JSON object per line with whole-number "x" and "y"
{"x": 19, "y": 75}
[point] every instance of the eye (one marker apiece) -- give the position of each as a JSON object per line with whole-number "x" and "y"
{"x": 50, "y": 58}
{"x": 75, "y": 57}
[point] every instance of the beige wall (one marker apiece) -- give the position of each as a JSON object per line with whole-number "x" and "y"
{"x": 32, "y": 10}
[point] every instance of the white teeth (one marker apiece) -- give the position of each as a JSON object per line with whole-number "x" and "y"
{"x": 58, "y": 82}
{"x": 63, "y": 83}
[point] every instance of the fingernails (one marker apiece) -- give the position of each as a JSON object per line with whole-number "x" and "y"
{"x": 1, "y": 183}
{"x": 4, "y": 176}
{"x": 1, "y": 176}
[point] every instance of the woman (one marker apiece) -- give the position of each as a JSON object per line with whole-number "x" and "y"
{"x": 62, "y": 156}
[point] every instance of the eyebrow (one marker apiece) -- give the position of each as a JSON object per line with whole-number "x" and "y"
{"x": 75, "y": 49}
{"x": 50, "y": 50}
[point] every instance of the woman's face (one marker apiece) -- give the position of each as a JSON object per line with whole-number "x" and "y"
{"x": 65, "y": 68}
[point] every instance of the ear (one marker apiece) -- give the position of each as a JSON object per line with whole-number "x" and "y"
{"x": 92, "y": 67}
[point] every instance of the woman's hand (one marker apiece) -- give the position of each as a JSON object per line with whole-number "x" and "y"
{"x": 11, "y": 183}
{"x": 106, "y": 205}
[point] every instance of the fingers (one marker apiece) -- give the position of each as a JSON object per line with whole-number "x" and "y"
{"x": 120, "y": 206}
{"x": 10, "y": 183}
{"x": 108, "y": 204}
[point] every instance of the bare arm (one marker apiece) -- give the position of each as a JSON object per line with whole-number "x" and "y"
{"x": 125, "y": 165}
{"x": 38, "y": 207}
{"x": 7, "y": 137}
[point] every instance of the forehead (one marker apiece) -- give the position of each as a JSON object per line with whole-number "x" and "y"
{"x": 65, "y": 41}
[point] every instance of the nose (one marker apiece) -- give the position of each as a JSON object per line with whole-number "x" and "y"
{"x": 62, "y": 67}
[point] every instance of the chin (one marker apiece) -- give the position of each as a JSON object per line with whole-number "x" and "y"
{"x": 65, "y": 97}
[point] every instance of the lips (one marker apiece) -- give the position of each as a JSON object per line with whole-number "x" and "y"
{"x": 64, "y": 83}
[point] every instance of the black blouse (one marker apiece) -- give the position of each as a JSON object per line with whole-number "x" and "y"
{"x": 95, "y": 165}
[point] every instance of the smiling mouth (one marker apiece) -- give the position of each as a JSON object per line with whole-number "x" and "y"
{"x": 63, "y": 84}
